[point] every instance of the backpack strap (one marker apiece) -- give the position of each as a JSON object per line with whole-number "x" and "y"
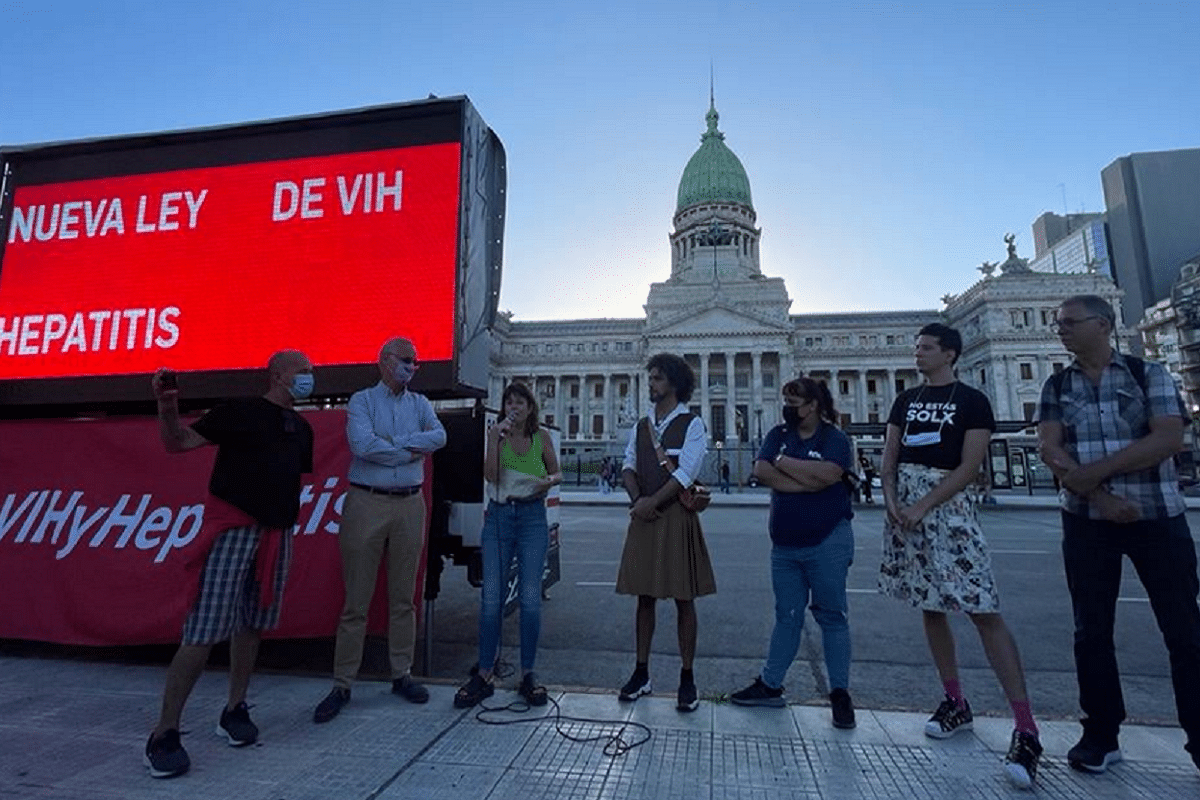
{"x": 1137, "y": 368}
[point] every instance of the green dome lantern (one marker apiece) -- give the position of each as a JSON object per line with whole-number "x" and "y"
{"x": 714, "y": 174}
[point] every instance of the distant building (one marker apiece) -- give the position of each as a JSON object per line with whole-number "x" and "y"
{"x": 1049, "y": 229}
{"x": 732, "y": 323}
{"x": 1082, "y": 247}
{"x": 1185, "y": 301}
{"x": 1153, "y": 211}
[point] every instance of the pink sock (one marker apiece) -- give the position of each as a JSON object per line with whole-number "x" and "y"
{"x": 954, "y": 692}
{"x": 1023, "y": 717}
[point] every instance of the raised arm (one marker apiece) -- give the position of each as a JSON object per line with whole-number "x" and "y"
{"x": 175, "y": 437}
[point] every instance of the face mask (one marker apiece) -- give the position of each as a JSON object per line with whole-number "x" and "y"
{"x": 302, "y": 385}
{"x": 791, "y": 415}
{"x": 403, "y": 373}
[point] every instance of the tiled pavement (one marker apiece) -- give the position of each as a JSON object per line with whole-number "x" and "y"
{"x": 71, "y": 730}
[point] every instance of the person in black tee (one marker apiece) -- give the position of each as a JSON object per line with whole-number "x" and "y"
{"x": 263, "y": 448}
{"x": 934, "y": 553}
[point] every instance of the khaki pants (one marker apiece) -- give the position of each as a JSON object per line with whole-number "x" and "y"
{"x": 369, "y": 522}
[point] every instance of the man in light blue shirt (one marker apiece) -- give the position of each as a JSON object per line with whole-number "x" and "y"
{"x": 390, "y": 430}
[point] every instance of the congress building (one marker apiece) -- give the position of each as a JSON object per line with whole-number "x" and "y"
{"x": 731, "y": 321}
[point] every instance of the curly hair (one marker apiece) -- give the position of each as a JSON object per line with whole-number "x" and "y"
{"x": 677, "y": 373}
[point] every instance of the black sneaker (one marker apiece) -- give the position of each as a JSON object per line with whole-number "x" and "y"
{"x": 1021, "y": 763}
{"x": 949, "y": 719}
{"x": 165, "y": 756}
{"x": 843, "y": 709}
{"x": 1094, "y": 754}
{"x": 236, "y": 727}
{"x": 410, "y": 690}
{"x": 331, "y": 706}
{"x": 759, "y": 694}
{"x": 637, "y": 685}
{"x": 687, "y": 699}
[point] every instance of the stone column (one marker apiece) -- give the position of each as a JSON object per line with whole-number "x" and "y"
{"x": 705, "y": 406}
{"x": 787, "y": 366}
{"x": 558, "y": 402}
{"x": 730, "y": 417}
{"x": 861, "y": 396}
{"x": 608, "y": 406}
{"x": 1012, "y": 377}
{"x": 889, "y": 394}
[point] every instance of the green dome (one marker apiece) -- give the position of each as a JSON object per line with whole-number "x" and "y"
{"x": 714, "y": 174}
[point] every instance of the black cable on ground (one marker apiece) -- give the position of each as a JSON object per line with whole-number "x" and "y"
{"x": 615, "y": 743}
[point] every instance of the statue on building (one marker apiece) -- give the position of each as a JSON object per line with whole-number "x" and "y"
{"x": 1011, "y": 240}
{"x": 627, "y": 415}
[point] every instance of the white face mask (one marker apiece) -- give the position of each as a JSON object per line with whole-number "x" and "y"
{"x": 403, "y": 373}
{"x": 302, "y": 385}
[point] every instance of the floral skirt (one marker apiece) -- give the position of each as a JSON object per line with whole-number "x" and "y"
{"x": 942, "y": 565}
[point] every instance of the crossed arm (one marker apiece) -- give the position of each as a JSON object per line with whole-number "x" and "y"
{"x": 788, "y": 474}
{"x": 1164, "y": 440}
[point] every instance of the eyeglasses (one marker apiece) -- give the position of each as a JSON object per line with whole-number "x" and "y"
{"x": 402, "y": 359}
{"x": 1068, "y": 323}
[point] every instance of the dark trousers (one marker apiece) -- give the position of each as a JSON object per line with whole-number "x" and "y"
{"x": 1164, "y": 556}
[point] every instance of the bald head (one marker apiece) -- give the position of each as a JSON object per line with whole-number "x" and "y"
{"x": 398, "y": 346}
{"x": 397, "y": 362}
{"x": 288, "y": 361}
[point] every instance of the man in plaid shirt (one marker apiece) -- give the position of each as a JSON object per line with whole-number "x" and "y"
{"x": 1109, "y": 426}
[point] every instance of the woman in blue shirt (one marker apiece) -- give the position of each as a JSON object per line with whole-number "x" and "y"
{"x": 804, "y": 461}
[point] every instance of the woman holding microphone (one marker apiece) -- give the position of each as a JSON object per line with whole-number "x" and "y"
{"x": 520, "y": 466}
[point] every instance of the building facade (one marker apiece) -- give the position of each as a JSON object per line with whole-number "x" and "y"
{"x": 731, "y": 321}
{"x": 1153, "y": 210}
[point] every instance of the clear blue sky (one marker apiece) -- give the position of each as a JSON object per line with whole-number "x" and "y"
{"x": 889, "y": 148}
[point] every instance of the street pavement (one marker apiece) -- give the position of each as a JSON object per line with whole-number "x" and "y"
{"x": 74, "y": 726}
{"x": 587, "y": 629}
{"x": 74, "y": 730}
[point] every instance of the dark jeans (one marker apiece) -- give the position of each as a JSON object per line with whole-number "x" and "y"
{"x": 1164, "y": 555}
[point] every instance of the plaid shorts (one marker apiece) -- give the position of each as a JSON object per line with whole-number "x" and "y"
{"x": 229, "y": 591}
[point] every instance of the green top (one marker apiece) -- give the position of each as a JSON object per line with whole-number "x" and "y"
{"x": 714, "y": 174}
{"x": 531, "y": 463}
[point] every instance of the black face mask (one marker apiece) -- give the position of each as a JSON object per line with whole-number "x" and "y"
{"x": 791, "y": 415}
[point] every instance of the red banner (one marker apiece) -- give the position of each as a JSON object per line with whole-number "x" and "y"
{"x": 96, "y": 521}
{"x": 217, "y": 268}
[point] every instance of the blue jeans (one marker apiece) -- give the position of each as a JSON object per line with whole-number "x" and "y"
{"x": 510, "y": 528}
{"x": 1164, "y": 556}
{"x": 814, "y": 577}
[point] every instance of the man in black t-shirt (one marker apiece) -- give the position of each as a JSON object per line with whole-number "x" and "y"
{"x": 934, "y": 553}
{"x": 254, "y": 498}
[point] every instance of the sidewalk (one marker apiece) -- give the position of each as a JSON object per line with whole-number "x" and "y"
{"x": 761, "y": 497}
{"x": 72, "y": 730}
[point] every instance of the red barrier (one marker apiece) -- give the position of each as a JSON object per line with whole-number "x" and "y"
{"x": 96, "y": 520}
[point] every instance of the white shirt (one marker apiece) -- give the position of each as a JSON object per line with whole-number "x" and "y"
{"x": 690, "y": 457}
{"x": 380, "y": 427}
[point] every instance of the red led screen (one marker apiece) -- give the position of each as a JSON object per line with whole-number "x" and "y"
{"x": 218, "y": 267}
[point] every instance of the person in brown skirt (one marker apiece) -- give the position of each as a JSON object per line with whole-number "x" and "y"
{"x": 665, "y": 555}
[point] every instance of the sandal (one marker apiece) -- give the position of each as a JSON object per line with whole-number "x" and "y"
{"x": 474, "y": 692}
{"x": 534, "y": 694}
